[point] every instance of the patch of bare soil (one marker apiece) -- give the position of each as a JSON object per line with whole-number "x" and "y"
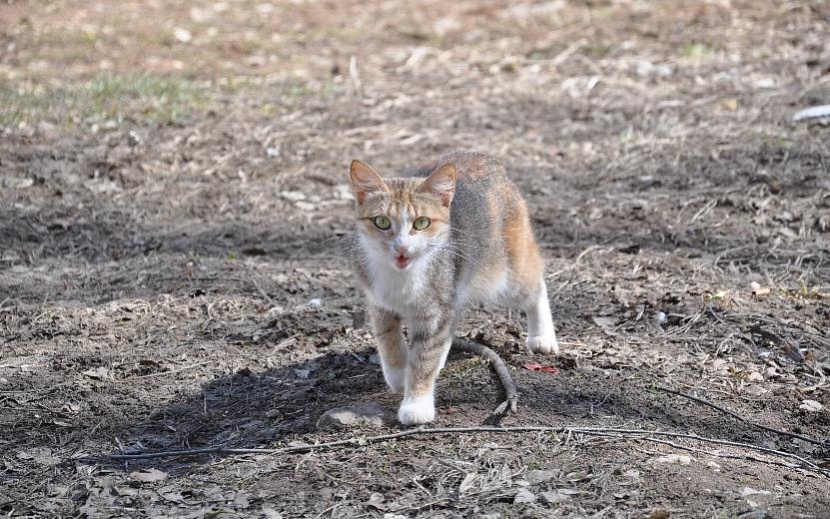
{"x": 173, "y": 203}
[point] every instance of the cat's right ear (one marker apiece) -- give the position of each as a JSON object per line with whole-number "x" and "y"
{"x": 441, "y": 183}
{"x": 365, "y": 181}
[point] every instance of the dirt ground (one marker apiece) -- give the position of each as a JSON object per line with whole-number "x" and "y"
{"x": 174, "y": 196}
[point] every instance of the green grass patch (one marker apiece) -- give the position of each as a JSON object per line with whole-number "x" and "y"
{"x": 697, "y": 51}
{"x": 107, "y": 97}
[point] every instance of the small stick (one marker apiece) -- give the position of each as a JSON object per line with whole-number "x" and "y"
{"x": 717, "y": 441}
{"x": 286, "y": 450}
{"x": 510, "y": 390}
{"x": 739, "y": 417}
{"x": 623, "y": 434}
{"x": 354, "y": 75}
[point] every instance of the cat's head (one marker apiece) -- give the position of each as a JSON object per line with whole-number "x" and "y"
{"x": 401, "y": 221}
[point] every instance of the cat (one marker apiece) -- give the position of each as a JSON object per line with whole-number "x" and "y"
{"x": 430, "y": 243}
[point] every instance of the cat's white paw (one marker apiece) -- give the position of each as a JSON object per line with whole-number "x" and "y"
{"x": 543, "y": 344}
{"x": 395, "y": 378}
{"x": 416, "y": 411}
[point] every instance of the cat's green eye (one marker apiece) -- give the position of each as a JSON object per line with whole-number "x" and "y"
{"x": 382, "y": 222}
{"x": 421, "y": 223}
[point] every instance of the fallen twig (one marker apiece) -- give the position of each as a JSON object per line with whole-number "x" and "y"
{"x": 284, "y": 450}
{"x": 622, "y": 434}
{"x": 741, "y": 418}
{"x": 717, "y": 441}
{"x": 510, "y": 390}
{"x": 354, "y": 75}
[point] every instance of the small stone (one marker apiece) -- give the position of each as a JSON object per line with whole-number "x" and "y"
{"x": 535, "y": 477}
{"x": 764, "y": 83}
{"x": 758, "y": 290}
{"x": 754, "y": 376}
{"x": 524, "y": 496}
{"x": 714, "y": 466}
{"x": 133, "y": 138}
{"x": 368, "y": 415}
{"x": 182, "y": 35}
{"x": 676, "y": 459}
{"x": 659, "y": 513}
{"x": 150, "y": 475}
{"x": 749, "y": 491}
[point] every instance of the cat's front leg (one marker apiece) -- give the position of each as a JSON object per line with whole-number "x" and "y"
{"x": 430, "y": 345}
{"x": 392, "y": 350}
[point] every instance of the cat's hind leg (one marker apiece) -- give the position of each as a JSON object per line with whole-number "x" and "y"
{"x": 392, "y": 349}
{"x": 528, "y": 285}
{"x": 541, "y": 335}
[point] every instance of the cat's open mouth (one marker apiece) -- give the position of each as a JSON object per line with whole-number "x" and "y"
{"x": 402, "y": 261}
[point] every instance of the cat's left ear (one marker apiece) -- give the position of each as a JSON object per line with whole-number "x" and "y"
{"x": 365, "y": 181}
{"x": 441, "y": 183}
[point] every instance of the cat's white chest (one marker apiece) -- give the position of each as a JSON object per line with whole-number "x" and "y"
{"x": 401, "y": 291}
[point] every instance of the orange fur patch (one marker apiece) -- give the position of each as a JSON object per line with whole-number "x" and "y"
{"x": 522, "y": 250}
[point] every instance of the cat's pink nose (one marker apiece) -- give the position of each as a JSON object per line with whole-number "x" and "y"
{"x": 403, "y": 250}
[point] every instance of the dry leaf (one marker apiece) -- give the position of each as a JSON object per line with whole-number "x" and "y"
{"x": 100, "y": 373}
{"x": 749, "y": 491}
{"x": 604, "y": 321}
{"x": 754, "y": 376}
{"x": 524, "y": 496}
{"x": 533, "y": 366}
{"x": 468, "y": 482}
{"x": 729, "y": 104}
{"x": 811, "y": 406}
{"x": 676, "y": 459}
{"x": 758, "y": 290}
{"x": 148, "y": 475}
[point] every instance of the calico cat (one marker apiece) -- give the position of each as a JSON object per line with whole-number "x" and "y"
{"x": 429, "y": 244}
